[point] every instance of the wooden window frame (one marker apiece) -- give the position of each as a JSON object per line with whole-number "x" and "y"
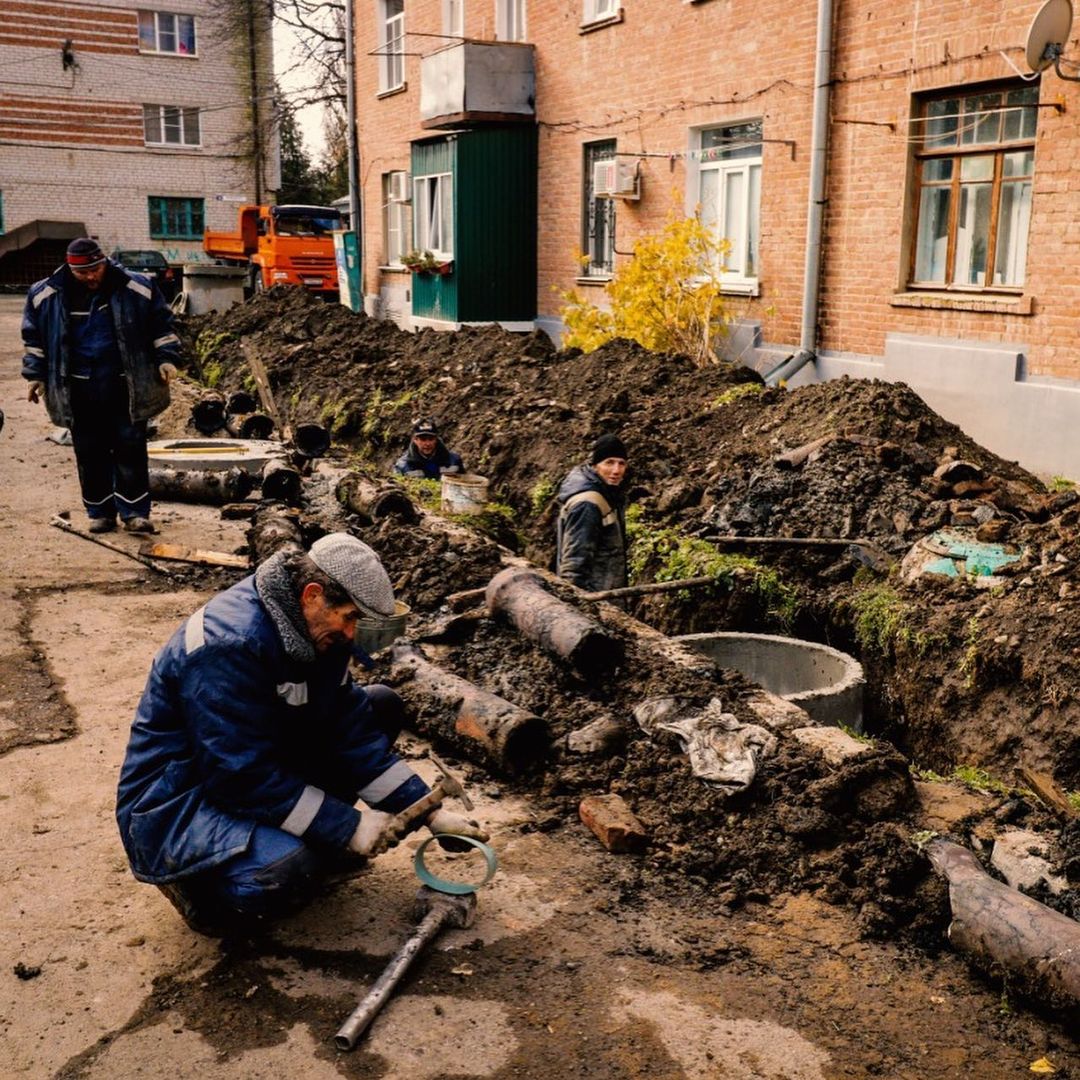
{"x": 957, "y": 153}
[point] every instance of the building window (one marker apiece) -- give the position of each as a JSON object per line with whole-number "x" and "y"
{"x": 171, "y": 125}
{"x": 395, "y": 191}
{"x": 392, "y": 45}
{"x": 974, "y": 164}
{"x": 597, "y": 215}
{"x": 433, "y": 214}
{"x": 164, "y": 32}
{"x": 510, "y": 20}
{"x": 597, "y": 10}
{"x": 454, "y": 18}
{"x": 175, "y": 219}
{"x": 729, "y": 195}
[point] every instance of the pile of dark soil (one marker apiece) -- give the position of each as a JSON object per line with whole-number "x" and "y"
{"x": 956, "y": 674}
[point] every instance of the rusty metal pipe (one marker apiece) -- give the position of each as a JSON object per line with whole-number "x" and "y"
{"x": 510, "y": 737}
{"x": 556, "y": 626}
{"x": 438, "y": 910}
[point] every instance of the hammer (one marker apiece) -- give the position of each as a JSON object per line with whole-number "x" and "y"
{"x": 445, "y": 787}
{"x": 435, "y": 910}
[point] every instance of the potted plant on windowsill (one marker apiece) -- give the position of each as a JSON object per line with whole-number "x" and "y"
{"x": 425, "y": 262}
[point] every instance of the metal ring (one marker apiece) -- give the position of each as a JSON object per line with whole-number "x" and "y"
{"x": 453, "y": 887}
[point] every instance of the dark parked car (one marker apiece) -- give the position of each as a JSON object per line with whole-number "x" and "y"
{"x": 153, "y": 264}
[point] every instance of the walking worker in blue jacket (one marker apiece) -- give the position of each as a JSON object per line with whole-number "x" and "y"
{"x": 428, "y": 457}
{"x": 591, "y": 529}
{"x": 252, "y": 743}
{"x": 101, "y": 350}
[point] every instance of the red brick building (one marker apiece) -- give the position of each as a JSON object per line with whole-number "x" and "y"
{"x": 949, "y": 247}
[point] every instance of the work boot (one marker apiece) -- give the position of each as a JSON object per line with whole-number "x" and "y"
{"x": 102, "y": 525}
{"x": 139, "y": 525}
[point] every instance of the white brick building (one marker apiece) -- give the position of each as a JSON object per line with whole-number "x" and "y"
{"x": 134, "y": 120}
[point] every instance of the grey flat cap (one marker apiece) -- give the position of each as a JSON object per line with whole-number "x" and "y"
{"x": 356, "y": 568}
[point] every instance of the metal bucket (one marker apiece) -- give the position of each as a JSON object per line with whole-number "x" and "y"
{"x": 375, "y": 634}
{"x": 464, "y": 494}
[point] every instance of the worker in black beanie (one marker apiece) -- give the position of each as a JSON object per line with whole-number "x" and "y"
{"x": 591, "y": 530}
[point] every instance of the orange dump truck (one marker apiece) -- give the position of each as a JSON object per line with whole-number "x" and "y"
{"x": 283, "y": 245}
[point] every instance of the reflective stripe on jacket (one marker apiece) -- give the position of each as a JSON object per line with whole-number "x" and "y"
{"x": 144, "y": 337}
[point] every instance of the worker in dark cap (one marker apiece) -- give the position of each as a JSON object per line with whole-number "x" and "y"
{"x": 427, "y": 457}
{"x": 591, "y": 529}
{"x": 100, "y": 348}
{"x": 252, "y": 743}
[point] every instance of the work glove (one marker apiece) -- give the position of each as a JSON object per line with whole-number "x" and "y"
{"x": 167, "y": 373}
{"x": 375, "y": 833}
{"x": 445, "y": 824}
{"x": 415, "y": 474}
{"x": 449, "y": 470}
{"x": 35, "y": 391}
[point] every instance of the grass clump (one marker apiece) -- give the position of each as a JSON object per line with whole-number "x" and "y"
{"x": 980, "y": 780}
{"x": 737, "y": 393}
{"x": 424, "y": 492}
{"x": 542, "y": 492}
{"x": 381, "y": 410}
{"x": 883, "y": 622}
{"x": 665, "y": 554}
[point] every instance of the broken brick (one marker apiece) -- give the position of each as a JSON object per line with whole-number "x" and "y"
{"x": 613, "y": 823}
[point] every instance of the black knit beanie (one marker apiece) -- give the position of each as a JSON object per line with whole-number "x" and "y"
{"x": 607, "y": 446}
{"x": 84, "y": 253}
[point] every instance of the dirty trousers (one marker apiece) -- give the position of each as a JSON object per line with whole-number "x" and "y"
{"x": 110, "y": 449}
{"x": 278, "y": 874}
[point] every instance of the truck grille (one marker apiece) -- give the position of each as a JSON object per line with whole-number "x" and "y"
{"x": 319, "y": 264}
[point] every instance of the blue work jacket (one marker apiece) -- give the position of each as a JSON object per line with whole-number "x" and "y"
{"x": 231, "y": 732}
{"x": 144, "y": 337}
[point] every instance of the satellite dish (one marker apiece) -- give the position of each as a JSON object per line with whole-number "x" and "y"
{"x": 1048, "y": 33}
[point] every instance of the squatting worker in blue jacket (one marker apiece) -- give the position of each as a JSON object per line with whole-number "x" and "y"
{"x": 427, "y": 457}
{"x": 101, "y": 350}
{"x": 591, "y": 529}
{"x": 252, "y": 743}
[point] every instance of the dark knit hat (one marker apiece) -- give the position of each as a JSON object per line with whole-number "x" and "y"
{"x": 84, "y": 253}
{"x": 607, "y": 446}
{"x": 425, "y": 426}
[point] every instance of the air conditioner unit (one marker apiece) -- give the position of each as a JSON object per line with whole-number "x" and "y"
{"x": 616, "y": 179}
{"x": 398, "y": 190}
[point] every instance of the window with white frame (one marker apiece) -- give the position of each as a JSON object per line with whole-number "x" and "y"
{"x": 510, "y": 20}
{"x": 391, "y": 45}
{"x": 729, "y": 195}
{"x": 598, "y": 10}
{"x": 433, "y": 214}
{"x": 597, "y": 215}
{"x": 454, "y": 18}
{"x": 395, "y": 191}
{"x": 975, "y": 165}
{"x": 171, "y": 125}
{"x": 166, "y": 32}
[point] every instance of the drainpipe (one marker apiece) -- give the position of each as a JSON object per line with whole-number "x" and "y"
{"x": 816, "y": 208}
{"x": 355, "y": 222}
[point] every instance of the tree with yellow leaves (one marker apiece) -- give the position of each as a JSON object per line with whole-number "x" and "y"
{"x": 667, "y": 297}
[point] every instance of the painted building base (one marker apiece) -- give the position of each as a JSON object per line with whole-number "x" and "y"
{"x": 983, "y": 387}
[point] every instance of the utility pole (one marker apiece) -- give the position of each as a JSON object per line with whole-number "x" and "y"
{"x": 256, "y": 131}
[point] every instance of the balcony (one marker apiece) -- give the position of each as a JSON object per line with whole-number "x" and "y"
{"x": 477, "y": 82}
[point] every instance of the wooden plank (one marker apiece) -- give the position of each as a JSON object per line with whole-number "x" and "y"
{"x": 179, "y": 553}
{"x": 262, "y": 381}
{"x": 1049, "y": 793}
